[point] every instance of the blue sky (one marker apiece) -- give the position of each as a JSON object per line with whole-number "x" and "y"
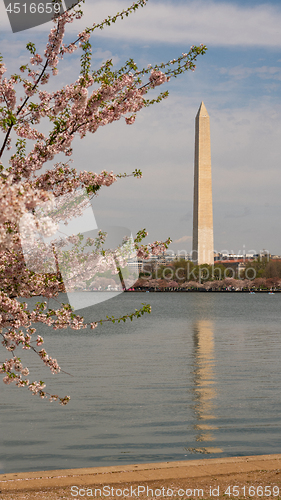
{"x": 239, "y": 81}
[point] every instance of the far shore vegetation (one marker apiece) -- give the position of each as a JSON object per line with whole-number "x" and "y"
{"x": 260, "y": 274}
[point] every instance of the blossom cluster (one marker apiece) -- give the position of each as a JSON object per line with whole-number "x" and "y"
{"x": 62, "y": 179}
{"x": 157, "y": 78}
{"x": 7, "y": 91}
{"x": 16, "y": 199}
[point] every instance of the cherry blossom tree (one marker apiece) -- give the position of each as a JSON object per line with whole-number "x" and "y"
{"x": 93, "y": 100}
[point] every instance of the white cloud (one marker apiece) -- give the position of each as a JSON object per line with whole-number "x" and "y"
{"x": 182, "y": 239}
{"x": 240, "y": 72}
{"x": 104, "y": 55}
{"x": 213, "y": 23}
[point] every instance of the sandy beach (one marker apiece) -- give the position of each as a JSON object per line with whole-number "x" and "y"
{"x": 235, "y": 477}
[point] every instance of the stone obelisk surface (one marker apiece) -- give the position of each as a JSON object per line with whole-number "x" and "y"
{"x": 203, "y": 234}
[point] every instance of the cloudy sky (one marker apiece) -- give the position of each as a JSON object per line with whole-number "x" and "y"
{"x": 239, "y": 81}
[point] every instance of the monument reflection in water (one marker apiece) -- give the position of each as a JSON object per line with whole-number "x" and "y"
{"x": 204, "y": 391}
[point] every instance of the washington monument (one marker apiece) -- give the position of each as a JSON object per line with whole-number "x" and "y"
{"x": 203, "y": 234}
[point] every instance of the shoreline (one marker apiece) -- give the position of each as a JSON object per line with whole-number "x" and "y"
{"x": 202, "y": 291}
{"x": 209, "y": 475}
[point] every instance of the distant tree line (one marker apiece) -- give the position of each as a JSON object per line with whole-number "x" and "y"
{"x": 181, "y": 270}
{"x": 263, "y": 268}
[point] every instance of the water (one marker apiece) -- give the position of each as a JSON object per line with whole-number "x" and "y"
{"x": 199, "y": 377}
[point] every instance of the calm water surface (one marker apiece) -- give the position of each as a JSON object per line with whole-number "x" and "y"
{"x": 199, "y": 376}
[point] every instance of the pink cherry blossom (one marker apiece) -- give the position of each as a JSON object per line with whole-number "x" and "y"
{"x": 34, "y": 199}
